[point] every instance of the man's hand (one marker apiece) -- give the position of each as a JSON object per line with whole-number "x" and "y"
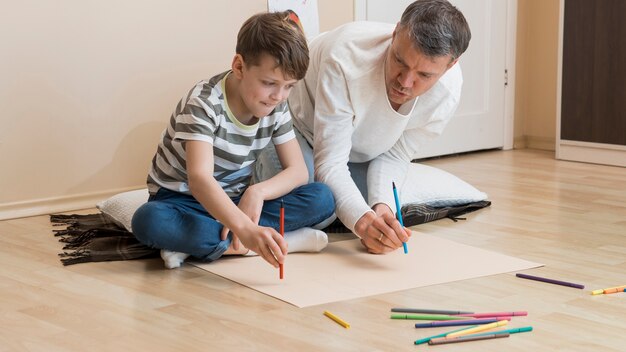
{"x": 380, "y": 231}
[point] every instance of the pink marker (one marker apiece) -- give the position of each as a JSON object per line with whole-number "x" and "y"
{"x": 495, "y": 314}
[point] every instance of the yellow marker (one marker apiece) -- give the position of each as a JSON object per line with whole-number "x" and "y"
{"x": 337, "y": 319}
{"x": 478, "y": 328}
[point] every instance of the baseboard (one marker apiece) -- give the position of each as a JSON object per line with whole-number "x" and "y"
{"x": 534, "y": 142}
{"x": 595, "y": 153}
{"x": 519, "y": 142}
{"x": 541, "y": 143}
{"x": 56, "y": 204}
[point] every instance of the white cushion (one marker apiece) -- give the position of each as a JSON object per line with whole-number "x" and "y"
{"x": 121, "y": 207}
{"x": 437, "y": 188}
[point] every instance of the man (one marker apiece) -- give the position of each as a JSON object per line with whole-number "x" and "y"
{"x": 372, "y": 95}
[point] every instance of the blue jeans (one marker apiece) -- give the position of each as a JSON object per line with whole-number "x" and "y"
{"x": 178, "y": 222}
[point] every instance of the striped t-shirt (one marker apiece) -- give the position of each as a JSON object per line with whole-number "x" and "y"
{"x": 203, "y": 115}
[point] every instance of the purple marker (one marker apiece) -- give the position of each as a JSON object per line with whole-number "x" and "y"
{"x": 550, "y": 281}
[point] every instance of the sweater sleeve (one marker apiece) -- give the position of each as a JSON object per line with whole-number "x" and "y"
{"x": 332, "y": 143}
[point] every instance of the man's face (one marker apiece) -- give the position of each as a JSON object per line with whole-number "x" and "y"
{"x": 408, "y": 72}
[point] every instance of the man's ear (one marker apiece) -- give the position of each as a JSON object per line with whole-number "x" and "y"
{"x": 395, "y": 30}
{"x": 452, "y": 63}
{"x": 237, "y": 66}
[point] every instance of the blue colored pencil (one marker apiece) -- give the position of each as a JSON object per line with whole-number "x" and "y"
{"x": 399, "y": 213}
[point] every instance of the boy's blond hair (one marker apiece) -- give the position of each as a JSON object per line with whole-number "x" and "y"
{"x": 278, "y": 35}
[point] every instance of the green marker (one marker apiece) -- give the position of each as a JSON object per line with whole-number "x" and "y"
{"x": 426, "y": 339}
{"x": 427, "y": 317}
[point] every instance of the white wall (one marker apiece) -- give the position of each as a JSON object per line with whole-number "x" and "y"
{"x": 87, "y": 87}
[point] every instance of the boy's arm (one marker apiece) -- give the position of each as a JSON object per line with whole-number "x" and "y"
{"x": 265, "y": 241}
{"x": 294, "y": 173}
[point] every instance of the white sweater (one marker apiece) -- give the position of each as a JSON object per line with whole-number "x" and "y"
{"x": 341, "y": 108}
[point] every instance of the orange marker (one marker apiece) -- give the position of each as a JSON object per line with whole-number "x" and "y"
{"x": 282, "y": 231}
{"x": 614, "y": 289}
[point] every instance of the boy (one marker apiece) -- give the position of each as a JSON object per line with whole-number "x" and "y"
{"x": 199, "y": 181}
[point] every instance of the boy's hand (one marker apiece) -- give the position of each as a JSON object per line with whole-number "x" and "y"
{"x": 251, "y": 204}
{"x": 236, "y": 243}
{"x": 267, "y": 243}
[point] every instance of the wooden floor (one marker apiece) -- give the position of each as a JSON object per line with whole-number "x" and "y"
{"x": 569, "y": 216}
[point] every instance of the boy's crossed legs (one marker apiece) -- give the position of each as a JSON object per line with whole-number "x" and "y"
{"x": 179, "y": 225}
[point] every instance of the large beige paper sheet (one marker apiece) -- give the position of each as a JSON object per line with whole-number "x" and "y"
{"x": 344, "y": 270}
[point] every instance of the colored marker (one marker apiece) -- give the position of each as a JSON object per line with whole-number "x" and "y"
{"x": 614, "y": 290}
{"x": 460, "y": 322}
{"x": 550, "y": 281}
{"x": 508, "y": 331}
{"x": 337, "y": 319}
{"x": 282, "y": 233}
{"x": 495, "y": 314}
{"x": 444, "y": 340}
{"x": 426, "y": 339}
{"x": 426, "y": 317}
{"x": 399, "y": 213}
{"x": 429, "y": 311}
{"x": 478, "y": 328}
{"x": 604, "y": 290}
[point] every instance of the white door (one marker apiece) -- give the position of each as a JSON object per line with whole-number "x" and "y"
{"x": 479, "y": 121}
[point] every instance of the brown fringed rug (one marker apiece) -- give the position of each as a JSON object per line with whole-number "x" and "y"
{"x": 95, "y": 238}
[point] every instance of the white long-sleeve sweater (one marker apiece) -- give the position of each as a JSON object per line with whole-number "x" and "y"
{"x": 341, "y": 108}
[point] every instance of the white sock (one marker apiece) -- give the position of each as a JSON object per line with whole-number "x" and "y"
{"x": 173, "y": 259}
{"x": 305, "y": 239}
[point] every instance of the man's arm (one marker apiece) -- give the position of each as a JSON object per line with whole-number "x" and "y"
{"x": 433, "y": 111}
{"x": 333, "y": 141}
{"x": 333, "y": 130}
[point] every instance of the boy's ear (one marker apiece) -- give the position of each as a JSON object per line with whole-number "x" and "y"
{"x": 237, "y": 66}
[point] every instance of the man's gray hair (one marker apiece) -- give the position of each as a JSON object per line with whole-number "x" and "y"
{"x": 436, "y": 27}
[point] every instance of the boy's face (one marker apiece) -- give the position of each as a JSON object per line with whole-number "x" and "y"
{"x": 408, "y": 72}
{"x": 261, "y": 87}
